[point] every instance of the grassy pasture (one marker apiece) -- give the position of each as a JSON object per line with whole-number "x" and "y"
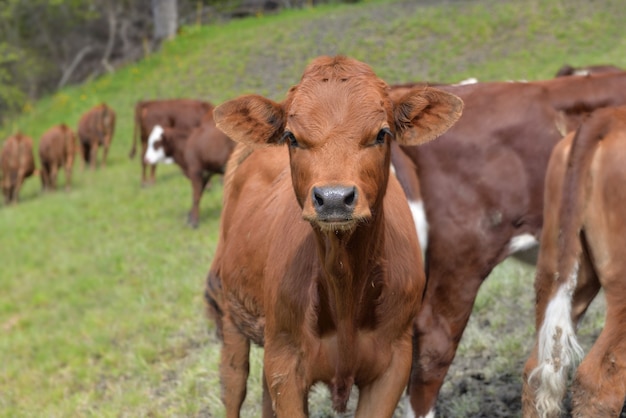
{"x": 101, "y": 310}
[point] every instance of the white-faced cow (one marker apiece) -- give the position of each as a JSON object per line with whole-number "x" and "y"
{"x": 17, "y": 163}
{"x": 200, "y": 154}
{"x": 95, "y": 129}
{"x": 57, "y": 148}
{"x": 182, "y": 114}
{"x": 482, "y": 188}
{"x": 318, "y": 258}
{"x": 583, "y": 244}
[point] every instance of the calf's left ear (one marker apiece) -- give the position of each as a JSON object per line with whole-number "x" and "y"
{"x": 423, "y": 114}
{"x": 251, "y": 120}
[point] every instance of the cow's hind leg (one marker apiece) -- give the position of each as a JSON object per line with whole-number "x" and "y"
{"x": 105, "y": 153}
{"x": 599, "y": 386}
{"x": 45, "y": 177}
{"x": 438, "y": 330}
{"x": 234, "y": 367}
{"x": 68, "y": 175}
{"x": 268, "y": 412}
{"x": 53, "y": 176}
{"x": 587, "y": 287}
{"x": 93, "y": 155}
{"x": 85, "y": 151}
{"x": 197, "y": 185}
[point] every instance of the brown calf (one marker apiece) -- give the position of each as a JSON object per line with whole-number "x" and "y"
{"x": 17, "y": 163}
{"x": 96, "y": 128}
{"x": 317, "y": 256}
{"x": 57, "y": 147}
{"x": 582, "y": 249}
{"x": 182, "y": 114}
{"x": 200, "y": 154}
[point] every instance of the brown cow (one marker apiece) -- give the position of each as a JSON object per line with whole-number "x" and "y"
{"x": 96, "y": 128}
{"x": 567, "y": 70}
{"x": 317, "y": 256}
{"x": 17, "y": 163}
{"x": 199, "y": 154}
{"x": 182, "y": 114}
{"x": 57, "y": 147}
{"x": 482, "y": 187}
{"x": 577, "y": 96}
{"x": 582, "y": 249}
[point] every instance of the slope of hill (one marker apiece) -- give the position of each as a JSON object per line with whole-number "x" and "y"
{"x": 101, "y": 312}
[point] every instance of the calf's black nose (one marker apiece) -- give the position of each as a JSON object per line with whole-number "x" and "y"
{"x": 334, "y": 203}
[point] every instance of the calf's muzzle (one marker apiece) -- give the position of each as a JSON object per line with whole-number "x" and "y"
{"x": 334, "y": 203}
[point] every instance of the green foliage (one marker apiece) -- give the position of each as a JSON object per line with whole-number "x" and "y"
{"x": 101, "y": 311}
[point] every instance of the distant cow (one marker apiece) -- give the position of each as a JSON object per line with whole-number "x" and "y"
{"x": 95, "y": 129}
{"x": 182, "y": 114}
{"x": 591, "y": 69}
{"x": 482, "y": 190}
{"x": 583, "y": 244}
{"x": 17, "y": 163}
{"x": 200, "y": 154}
{"x": 318, "y": 258}
{"x": 57, "y": 147}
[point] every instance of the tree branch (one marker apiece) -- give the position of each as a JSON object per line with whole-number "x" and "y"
{"x": 77, "y": 59}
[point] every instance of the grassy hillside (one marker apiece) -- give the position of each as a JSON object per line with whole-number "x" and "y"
{"x": 101, "y": 310}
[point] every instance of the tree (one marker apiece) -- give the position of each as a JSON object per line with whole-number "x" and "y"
{"x": 165, "y": 14}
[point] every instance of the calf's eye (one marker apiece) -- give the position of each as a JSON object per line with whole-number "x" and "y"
{"x": 382, "y": 135}
{"x": 291, "y": 139}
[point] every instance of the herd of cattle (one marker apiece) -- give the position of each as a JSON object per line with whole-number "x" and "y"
{"x": 178, "y": 130}
{"x": 353, "y": 243}
{"x": 57, "y": 148}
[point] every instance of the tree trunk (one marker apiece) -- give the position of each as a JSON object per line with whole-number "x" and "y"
{"x": 165, "y": 14}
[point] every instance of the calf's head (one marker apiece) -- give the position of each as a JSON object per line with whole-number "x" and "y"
{"x": 338, "y": 122}
{"x": 159, "y": 147}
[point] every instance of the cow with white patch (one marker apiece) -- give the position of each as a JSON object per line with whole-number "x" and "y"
{"x": 200, "y": 154}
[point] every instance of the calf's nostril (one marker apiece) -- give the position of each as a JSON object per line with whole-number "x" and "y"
{"x": 350, "y": 198}
{"x": 317, "y": 197}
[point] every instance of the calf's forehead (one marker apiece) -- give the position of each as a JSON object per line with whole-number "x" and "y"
{"x": 329, "y": 99}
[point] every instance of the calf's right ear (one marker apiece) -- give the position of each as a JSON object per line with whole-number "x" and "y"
{"x": 251, "y": 120}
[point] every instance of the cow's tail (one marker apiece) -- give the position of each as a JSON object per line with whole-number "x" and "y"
{"x": 558, "y": 348}
{"x": 136, "y": 132}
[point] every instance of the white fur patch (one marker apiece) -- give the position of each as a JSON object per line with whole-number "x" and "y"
{"x": 421, "y": 223}
{"x": 522, "y": 243}
{"x": 558, "y": 348}
{"x": 430, "y": 414}
{"x": 471, "y": 80}
{"x": 408, "y": 411}
{"x": 153, "y": 155}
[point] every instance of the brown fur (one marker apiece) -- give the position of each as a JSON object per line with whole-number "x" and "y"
{"x": 57, "y": 147}
{"x": 182, "y": 114}
{"x": 334, "y": 292}
{"x": 95, "y": 129}
{"x": 17, "y": 163}
{"x": 586, "y": 225}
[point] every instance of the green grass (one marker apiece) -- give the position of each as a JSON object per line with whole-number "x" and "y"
{"x": 101, "y": 310}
